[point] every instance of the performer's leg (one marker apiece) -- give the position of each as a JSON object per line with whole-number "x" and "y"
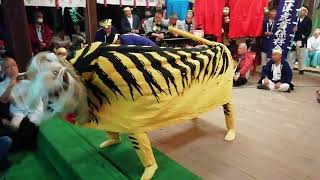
{"x": 292, "y": 58}
{"x": 264, "y": 58}
{"x": 113, "y": 138}
{"x": 141, "y": 144}
{"x": 301, "y": 58}
{"x": 229, "y": 117}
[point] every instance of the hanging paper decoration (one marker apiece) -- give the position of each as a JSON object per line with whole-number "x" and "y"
{"x": 75, "y": 15}
{"x": 147, "y": 4}
{"x": 134, "y": 3}
{"x": 55, "y": 3}
{"x": 120, "y": 3}
{"x": 105, "y": 2}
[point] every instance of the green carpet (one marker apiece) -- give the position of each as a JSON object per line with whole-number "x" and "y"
{"x": 69, "y": 152}
{"x": 80, "y": 148}
{"x": 29, "y": 166}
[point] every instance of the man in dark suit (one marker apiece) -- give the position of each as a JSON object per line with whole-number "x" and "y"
{"x": 267, "y": 41}
{"x": 130, "y": 23}
{"x": 302, "y": 32}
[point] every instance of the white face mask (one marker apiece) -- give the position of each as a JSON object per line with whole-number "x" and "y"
{"x": 2, "y": 51}
{"x": 40, "y": 20}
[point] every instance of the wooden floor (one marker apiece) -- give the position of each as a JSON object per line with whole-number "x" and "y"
{"x": 278, "y": 136}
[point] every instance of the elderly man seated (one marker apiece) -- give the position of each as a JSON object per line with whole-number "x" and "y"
{"x": 313, "y": 53}
{"x": 244, "y": 65}
{"x": 277, "y": 74}
{"x": 22, "y": 120}
{"x": 174, "y": 22}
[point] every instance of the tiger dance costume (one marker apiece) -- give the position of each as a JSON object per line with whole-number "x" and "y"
{"x": 134, "y": 89}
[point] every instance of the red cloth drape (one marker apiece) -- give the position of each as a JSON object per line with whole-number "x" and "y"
{"x": 246, "y": 18}
{"x": 208, "y": 14}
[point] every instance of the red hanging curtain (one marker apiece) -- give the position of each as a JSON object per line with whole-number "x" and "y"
{"x": 246, "y": 18}
{"x": 208, "y": 15}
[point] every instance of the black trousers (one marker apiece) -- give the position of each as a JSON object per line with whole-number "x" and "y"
{"x": 25, "y": 137}
{"x": 241, "y": 81}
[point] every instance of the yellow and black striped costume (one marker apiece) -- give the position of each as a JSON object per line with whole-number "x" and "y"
{"x": 134, "y": 89}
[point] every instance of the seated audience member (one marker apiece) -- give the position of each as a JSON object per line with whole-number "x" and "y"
{"x": 244, "y": 65}
{"x": 78, "y": 37}
{"x": 147, "y": 15}
{"x": 173, "y": 21}
{"x": 14, "y": 113}
{"x": 61, "y": 40}
{"x": 5, "y": 144}
{"x": 105, "y": 33}
{"x": 277, "y": 74}
{"x": 135, "y": 39}
{"x": 313, "y": 52}
{"x": 130, "y": 23}
{"x": 155, "y": 27}
{"x": 188, "y": 23}
{"x": 40, "y": 34}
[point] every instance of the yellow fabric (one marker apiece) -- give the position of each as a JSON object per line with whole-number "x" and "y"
{"x": 145, "y": 113}
{"x": 143, "y": 148}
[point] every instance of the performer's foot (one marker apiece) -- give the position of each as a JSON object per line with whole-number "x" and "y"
{"x": 109, "y": 142}
{"x": 194, "y": 120}
{"x": 149, "y": 172}
{"x": 231, "y": 135}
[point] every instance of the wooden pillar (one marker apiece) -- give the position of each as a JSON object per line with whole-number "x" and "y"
{"x": 91, "y": 20}
{"x": 16, "y": 23}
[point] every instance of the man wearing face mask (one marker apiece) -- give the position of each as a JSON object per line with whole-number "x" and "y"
{"x": 40, "y": 34}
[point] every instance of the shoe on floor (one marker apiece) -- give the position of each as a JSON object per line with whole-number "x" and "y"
{"x": 261, "y": 86}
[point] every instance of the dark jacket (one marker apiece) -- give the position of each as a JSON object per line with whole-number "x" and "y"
{"x": 286, "y": 72}
{"x": 125, "y": 25}
{"x": 304, "y": 31}
{"x": 267, "y": 41}
{"x": 102, "y": 37}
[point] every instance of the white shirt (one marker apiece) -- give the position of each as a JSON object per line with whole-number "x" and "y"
{"x": 39, "y": 33}
{"x": 20, "y": 109}
{"x": 276, "y": 72}
{"x": 130, "y": 19}
{"x": 314, "y": 43}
